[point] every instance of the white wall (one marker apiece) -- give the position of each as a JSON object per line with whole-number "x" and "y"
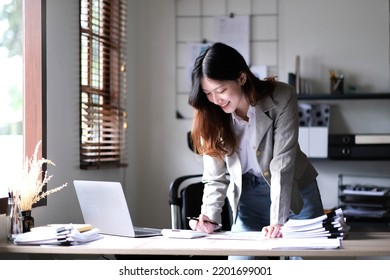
{"x": 63, "y": 114}
{"x": 161, "y": 151}
{"x": 349, "y": 36}
{"x": 157, "y": 140}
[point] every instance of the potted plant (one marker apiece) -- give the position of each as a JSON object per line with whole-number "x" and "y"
{"x": 29, "y": 187}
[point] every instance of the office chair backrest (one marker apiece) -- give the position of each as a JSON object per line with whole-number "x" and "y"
{"x": 191, "y": 199}
{"x": 185, "y": 199}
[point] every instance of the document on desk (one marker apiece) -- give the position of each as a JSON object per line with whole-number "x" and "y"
{"x": 230, "y": 235}
{"x": 182, "y": 233}
{"x": 277, "y": 243}
{"x": 306, "y": 243}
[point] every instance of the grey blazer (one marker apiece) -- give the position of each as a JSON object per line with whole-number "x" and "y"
{"x": 284, "y": 166}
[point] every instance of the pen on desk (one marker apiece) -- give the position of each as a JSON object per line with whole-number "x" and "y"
{"x": 197, "y": 219}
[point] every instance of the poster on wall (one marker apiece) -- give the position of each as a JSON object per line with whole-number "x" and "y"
{"x": 235, "y": 32}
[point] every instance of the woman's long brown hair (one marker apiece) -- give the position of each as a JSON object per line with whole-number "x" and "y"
{"x": 212, "y": 132}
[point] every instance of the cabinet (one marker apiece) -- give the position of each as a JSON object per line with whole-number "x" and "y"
{"x": 342, "y": 145}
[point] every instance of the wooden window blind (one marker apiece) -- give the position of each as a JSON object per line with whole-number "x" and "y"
{"x": 103, "y": 119}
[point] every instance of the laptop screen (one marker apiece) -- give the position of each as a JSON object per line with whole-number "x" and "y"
{"x": 103, "y": 205}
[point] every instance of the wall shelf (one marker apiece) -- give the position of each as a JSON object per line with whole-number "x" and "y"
{"x": 348, "y": 151}
{"x": 347, "y": 96}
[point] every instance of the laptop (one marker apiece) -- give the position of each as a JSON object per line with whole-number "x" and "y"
{"x": 104, "y": 206}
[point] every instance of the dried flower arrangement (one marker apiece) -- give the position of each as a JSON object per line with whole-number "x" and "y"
{"x": 30, "y": 186}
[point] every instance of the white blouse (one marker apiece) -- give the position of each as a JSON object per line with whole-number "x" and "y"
{"x": 246, "y": 135}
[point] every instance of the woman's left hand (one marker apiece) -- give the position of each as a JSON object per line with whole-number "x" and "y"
{"x": 272, "y": 231}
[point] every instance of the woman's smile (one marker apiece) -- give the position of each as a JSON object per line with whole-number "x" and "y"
{"x": 224, "y": 104}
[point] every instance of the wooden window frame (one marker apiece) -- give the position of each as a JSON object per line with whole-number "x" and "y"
{"x": 103, "y": 114}
{"x": 34, "y": 80}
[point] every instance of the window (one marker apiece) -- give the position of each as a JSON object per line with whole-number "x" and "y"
{"x": 103, "y": 83}
{"x": 11, "y": 85}
{"x": 23, "y": 41}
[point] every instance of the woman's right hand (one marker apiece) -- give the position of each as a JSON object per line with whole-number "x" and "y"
{"x": 203, "y": 224}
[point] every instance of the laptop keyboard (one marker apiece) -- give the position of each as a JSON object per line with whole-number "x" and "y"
{"x": 142, "y": 232}
{"x": 146, "y": 232}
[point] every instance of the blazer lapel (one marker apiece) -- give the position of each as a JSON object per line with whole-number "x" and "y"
{"x": 263, "y": 121}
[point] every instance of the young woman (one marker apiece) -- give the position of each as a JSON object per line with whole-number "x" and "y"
{"x": 248, "y": 128}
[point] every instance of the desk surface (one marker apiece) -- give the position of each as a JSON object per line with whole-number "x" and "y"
{"x": 358, "y": 244}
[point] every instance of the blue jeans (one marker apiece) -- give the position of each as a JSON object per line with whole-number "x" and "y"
{"x": 255, "y": 201}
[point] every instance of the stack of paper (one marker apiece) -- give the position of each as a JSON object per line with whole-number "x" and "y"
{"x": 265, "y": 243}
{"x": 331, "y": 225}
{"x": 59, "y": 234}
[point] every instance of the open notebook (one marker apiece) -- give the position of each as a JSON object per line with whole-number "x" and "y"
{"x": 104, "y": 206}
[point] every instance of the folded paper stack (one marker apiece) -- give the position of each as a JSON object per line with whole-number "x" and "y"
{"x": 330, "y": 225}
{"x": 59, "y": 234}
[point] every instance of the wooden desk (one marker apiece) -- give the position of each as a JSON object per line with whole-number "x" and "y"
{"x": 358, "y": 244}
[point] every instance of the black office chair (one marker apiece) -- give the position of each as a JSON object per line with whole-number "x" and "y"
{"x": 185, "y": 199}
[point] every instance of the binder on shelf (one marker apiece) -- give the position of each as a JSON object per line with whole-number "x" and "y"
{"x": 372, "y": 139}
{"x": 341, "y": 139}
{"x": 359, "y": 139}
{"x": 374, "y": 151}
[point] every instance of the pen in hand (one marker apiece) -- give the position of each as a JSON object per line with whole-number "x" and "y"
{"x": 211, "y": 222}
